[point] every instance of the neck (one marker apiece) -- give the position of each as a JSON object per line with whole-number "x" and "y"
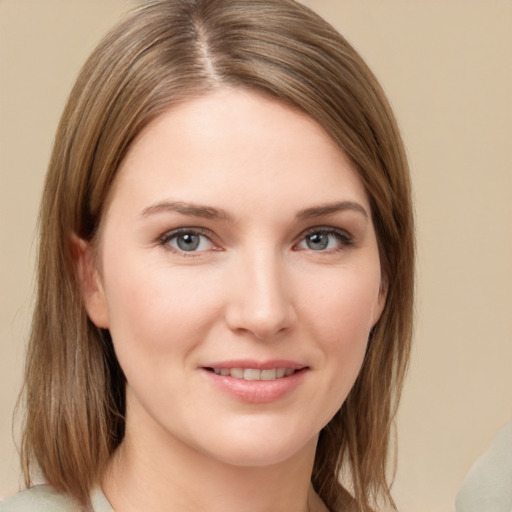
{"x": 160, "y": 473}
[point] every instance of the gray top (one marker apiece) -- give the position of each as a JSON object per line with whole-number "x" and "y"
{"x": 488, "y": 485}
{"x": 42, "y": 498}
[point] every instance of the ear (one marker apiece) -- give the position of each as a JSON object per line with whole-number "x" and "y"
{"x": 381, "y": 300}
{"x": 90, "y": 282}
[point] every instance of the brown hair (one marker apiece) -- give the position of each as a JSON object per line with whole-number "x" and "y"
{"x": 163, "y": 53}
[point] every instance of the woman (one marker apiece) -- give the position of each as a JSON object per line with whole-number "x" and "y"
{"x": 225, "y": 271}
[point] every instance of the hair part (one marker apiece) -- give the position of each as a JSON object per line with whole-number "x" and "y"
{"x": 166, "y": 52}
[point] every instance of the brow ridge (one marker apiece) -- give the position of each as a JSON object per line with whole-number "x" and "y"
{"x": 209, "y": 212}
{"x": 331, "y": 208}
{"x": 186, "y": 208}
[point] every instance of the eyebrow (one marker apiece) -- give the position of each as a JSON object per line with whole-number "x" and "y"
{"x": 196, "y": 210}
{"x": 209, "y": 212}
{"x": 331, "y": 208}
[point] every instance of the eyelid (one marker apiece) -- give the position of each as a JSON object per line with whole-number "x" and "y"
{"x": 345, "y": 238}
{"x": 164, "y": 239}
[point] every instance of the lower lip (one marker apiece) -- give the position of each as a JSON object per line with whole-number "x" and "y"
{"x": 257, "y": 391}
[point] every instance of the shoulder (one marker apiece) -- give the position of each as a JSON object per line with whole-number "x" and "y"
{"x": 39, "y": 498}
{"x": 487, "y": 485}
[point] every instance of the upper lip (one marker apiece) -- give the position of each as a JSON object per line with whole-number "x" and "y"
{"x": 257, "y": 364}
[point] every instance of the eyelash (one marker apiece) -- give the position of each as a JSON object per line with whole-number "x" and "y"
{"x": 170, "y": 235}
{"x": 345, "y": 240}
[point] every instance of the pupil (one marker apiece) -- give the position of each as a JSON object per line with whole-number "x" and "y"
{"x": 188, "y": 242}
{"x": 317, "y": 241}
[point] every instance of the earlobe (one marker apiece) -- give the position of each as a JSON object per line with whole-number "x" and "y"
{"x": 90, "y": 282}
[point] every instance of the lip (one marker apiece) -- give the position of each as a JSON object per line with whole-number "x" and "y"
{"x": 256, "y": 391}
{"x": 258, "y": 365}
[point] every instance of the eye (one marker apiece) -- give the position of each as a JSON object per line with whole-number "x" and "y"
{"x": 187, "y": 240}
{"x": 328, "y": 240}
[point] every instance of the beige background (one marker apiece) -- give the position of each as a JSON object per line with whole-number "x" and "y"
{"x": 447, "y": 68}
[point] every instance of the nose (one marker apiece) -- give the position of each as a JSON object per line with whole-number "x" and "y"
{"x": 259, "y": 298}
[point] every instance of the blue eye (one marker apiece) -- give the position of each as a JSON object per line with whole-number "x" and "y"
{"x": 187, "y": 241}
{"x": 325, "y": 240}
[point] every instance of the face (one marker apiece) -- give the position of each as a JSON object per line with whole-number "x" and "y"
{"x": 238, "y": 273}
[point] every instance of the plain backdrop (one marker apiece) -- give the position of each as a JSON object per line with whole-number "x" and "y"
{"x": 447, "y": 69}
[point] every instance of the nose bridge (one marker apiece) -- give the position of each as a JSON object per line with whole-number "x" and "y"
{"x": 260, "y": 302}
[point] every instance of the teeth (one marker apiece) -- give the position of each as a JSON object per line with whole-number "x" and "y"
{"x": 237, "y": 373}
{"x": 268, "y": 374}
{"x": 250, "y": 374}
{"x": 255, "y": 374}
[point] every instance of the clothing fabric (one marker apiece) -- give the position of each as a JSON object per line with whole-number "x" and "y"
{"x": 488, "y": 485}
{"x": 42, "y": 498}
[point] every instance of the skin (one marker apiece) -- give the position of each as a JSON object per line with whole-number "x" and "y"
{"x": 255, "y": 288}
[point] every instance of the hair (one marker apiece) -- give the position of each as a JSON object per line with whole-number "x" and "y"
{"x": 163, "y": 53}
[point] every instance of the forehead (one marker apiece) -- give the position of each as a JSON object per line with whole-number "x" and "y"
{"x": 234, "y": 146}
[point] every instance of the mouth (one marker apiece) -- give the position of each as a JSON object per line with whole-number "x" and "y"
{"x": 255, "y": 373}
{"x": 253, "y": 381}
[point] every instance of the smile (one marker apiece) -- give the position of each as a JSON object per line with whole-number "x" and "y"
{"x": 254, "y": 373}
{"x": 256, "y": 381}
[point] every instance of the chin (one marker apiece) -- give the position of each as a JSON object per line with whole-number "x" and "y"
{"x": 262, "y": 449}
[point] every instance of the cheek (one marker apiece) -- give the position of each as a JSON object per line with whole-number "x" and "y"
{"x": 156, "y": 312}
{"x": 341, "y": 316}
{"x": 344, "y": 306}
